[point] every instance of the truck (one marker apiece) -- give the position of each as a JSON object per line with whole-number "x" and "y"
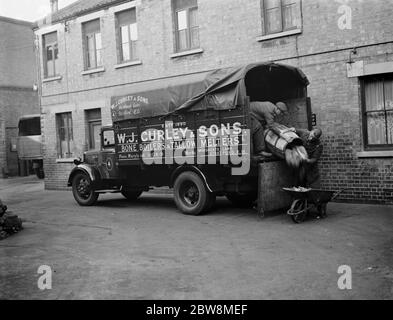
{"x": 29, "y": 143}
{"x": 190, "y": 133}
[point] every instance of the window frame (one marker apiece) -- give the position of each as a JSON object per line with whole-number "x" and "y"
{"x": 188, "y": 9}
{"x": 364, "y": 112}
{"x": 86, "y": 36}
{"x": 283, "y": 30}
{"x": 54, "y": 45}
{"x": 93, "y": 117}
{"x": 69, "y": 133}
{"x": 131, "y": 43}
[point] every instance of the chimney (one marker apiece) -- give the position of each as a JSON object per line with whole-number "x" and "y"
{"x": 54, "y": 6}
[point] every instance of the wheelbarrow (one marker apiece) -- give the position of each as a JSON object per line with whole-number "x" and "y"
{"x": 307, "y": 199}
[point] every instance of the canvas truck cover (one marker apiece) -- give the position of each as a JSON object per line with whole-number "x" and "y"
{"x": 221, "y": 89}
{"x": 197, "y": 118}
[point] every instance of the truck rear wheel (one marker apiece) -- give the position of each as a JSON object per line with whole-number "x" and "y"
{"x": 191, "y": 194}
{"x": 242, "y": 200}
{"x": 83, "y": 191}
{"x": 131, "y": 195}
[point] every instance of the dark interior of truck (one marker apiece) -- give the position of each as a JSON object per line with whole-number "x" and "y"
{"x": 275, "y": 83}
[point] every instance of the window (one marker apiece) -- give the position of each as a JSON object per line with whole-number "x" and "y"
{"x": 93, "y": 119}
{"x": 186, "y": 24}
{"x": 108, "y": 138}
{"x": 127, "y": 35}
{"x": 92, "y": 44}
{"x": 378, "y": 112}
{"x": 65, "y": 140}
{"x": 280, "y": 15}
{"x": 30, "y": 127}
{"x": 51, "y": 54}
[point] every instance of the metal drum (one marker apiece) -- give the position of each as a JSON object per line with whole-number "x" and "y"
{"x": 277, "y": 144}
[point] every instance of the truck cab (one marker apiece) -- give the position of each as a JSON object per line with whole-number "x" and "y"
{"x": 98, "y": 172}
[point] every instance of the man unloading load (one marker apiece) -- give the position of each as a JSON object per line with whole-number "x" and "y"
{"x": 267, "y": 112}
{"x": 309, "y": 172}
{"x": 263, "y": 116}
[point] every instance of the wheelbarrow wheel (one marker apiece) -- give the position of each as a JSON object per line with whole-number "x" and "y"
{"x": 299, "y": 206}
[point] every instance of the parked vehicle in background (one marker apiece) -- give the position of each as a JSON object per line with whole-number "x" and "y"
{"x": 29, "y": 144}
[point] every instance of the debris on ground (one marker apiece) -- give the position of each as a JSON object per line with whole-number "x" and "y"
{"x": 9, "y": 223}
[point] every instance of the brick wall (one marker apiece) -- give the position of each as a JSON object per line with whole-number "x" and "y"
{"x": 17, "y": 58}
{"x": 3, "y": 155}
{"x": 14, "y": 102}
{"x": 228, "y": 36}
{"x": 17, "y": 77}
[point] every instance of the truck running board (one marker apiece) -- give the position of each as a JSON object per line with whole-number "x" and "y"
{"x": 108, "y": 191}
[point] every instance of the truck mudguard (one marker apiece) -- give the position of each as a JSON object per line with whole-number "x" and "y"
{"x": 92, "y": 172}
{"x": 210, "y": 185}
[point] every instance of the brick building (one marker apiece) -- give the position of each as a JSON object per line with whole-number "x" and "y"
{"x": 17, "y": 78}
{"x": 94, "y": 49}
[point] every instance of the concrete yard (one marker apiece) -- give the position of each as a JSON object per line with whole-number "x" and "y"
{"x": 149, "y": 250}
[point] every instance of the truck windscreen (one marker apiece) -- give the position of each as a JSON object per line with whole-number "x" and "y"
{"x": 30, "y": 127}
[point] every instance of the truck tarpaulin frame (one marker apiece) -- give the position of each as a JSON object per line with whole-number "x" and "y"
{"x": 221, "y": 89}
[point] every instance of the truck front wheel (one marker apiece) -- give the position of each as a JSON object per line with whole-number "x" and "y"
{"x": 83, "y": 191}
{"x": 191, "y": 194}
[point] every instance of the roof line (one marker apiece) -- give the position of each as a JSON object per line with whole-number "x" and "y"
{"x": 17, "y": 21}
{"x": 80, "y": 13}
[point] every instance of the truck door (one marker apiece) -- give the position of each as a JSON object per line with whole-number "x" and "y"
{"x": 108, "y": 164}
{"x": 299, "y": 113}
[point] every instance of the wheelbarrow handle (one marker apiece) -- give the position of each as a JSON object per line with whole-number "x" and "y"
{"x": 336, "y": 194}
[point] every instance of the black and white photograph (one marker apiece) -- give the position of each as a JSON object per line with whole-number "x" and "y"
{"x": 212, "y": 153}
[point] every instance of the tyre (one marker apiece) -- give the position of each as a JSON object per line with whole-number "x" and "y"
{"x": 191, "y": 194}
{"x": 242, "y": 200}
{"x": 131, "y": 195}
{"x": 82, "y": 190}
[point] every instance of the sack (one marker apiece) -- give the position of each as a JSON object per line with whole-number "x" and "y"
{"x": 3, "y": 208}
{"x": 10, "y": 223}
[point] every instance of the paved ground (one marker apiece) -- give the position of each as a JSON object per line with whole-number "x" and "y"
{"x": 148, "y": 250}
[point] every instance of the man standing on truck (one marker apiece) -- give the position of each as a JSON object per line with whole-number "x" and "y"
{"x": 267, "y": 112}
{"x": 263, "y": 116}
{"x": 309, "y": 172}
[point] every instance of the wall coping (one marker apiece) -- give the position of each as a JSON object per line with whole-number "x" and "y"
{"x": 91, "y": 71}
{"x": 186, "y": 53}
{"x": 52, "y": 79}
{"x": 375, "y": 154}
{"x": 65, "y": 160}
{"x": 128, "y": 64}
{"x": 279, "y": 35}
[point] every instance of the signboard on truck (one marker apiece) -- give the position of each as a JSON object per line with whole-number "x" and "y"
{"x": 200, "y": 137}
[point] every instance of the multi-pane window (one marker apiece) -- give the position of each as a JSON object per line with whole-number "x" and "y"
{"x": 51, "y": 54}
{"x": 186, "y": 24}
{"x": 378, "y": 112}
{"x": 127, "y": 35}
{"x": 281, "y": 15}
{"x": 65, "y": 139}
{"x": 92, "y": 44}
